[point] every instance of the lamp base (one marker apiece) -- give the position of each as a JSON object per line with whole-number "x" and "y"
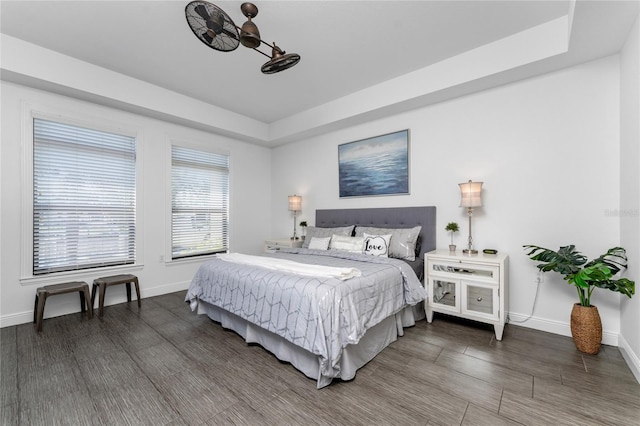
{"x": 470, "y": 251}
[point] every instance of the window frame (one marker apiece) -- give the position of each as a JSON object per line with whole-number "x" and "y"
{"x": 73, "y": 118}
{"x": 200, "y": 146}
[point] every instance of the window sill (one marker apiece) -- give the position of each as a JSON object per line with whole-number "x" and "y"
{"x": 187, "y": 260}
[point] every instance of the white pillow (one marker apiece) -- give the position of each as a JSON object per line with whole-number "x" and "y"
{"x": 350, "y": 244}
{"x": 376, "y": 245}
{"x": 312, "y": 231}
{"x": 318, "y": 243}
{"x": 403, "y": 240}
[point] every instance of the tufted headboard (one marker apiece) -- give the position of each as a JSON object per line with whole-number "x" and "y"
{"x": 386, "y": 217}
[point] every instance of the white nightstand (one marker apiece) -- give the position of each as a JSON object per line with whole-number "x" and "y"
{"x": 469, "y": 286}
{"x": 276, "y": 244}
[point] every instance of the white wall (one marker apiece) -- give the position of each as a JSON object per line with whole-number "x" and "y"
{"x": 250, "y": 224}
{"x": 547, "y": 149}
{"x": 630, "y": 193}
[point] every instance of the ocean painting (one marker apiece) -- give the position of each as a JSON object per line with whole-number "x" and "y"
{"x": 375, "y": 166}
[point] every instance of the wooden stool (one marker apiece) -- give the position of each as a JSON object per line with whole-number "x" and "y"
{"x": 50, "y": 290}
{"x": 104, "y": 282}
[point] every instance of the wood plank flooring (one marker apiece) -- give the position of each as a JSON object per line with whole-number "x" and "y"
{"x": 164, "y": 365}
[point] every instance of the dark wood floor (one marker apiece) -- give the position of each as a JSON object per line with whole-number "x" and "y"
{"x": 163, "y": 365}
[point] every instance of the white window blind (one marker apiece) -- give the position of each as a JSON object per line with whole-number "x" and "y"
{"x": 84, "y": 198}
{"x": 199, "y": 202}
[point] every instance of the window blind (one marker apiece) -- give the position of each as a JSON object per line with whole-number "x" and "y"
{"x": 84, "y": 198}
{"x": 199, "y": 202}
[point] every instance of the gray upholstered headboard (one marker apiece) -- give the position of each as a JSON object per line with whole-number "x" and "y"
{"x": 387, "y": 217}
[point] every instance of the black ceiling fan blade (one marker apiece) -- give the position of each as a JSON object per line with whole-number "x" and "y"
{"x": 230, "y": 34}
{"x": 216, "y": 25}
{"x": 202, "y": 11}
{"x": 207, "y": 37}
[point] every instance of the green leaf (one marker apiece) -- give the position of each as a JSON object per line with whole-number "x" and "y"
{"x": 452, "y": 226}
{"x": 615, "y": 259}
{"x": 583, "y": 274}
{"x": 566, "y": 261}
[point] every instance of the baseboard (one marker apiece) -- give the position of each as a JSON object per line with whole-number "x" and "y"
{"x": 16, "y": 319}
{"x": 27, "y": 317}
{"x": 630, "y": 357}
{"x": 164, "y": 289}
{"x": 557, "y": 327}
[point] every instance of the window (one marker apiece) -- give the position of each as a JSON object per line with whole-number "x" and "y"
{"x": 199, "y": 202}
{"x": 84, "y": 198}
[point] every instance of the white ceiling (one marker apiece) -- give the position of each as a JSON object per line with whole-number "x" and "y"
{"x": 346, "y": 47}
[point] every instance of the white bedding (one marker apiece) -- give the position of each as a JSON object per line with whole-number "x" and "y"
{"x": 286, "y": 265}
{"x": 322, "y": 315}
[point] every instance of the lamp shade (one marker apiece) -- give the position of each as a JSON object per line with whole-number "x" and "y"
{"x": 295, "y": 203}
{"x": 470, "y": 194}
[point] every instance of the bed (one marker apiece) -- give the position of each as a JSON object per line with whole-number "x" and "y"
{"x": 326, "y": 324}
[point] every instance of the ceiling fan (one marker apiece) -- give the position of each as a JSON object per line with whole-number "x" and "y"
{"x": 217, "y": 30}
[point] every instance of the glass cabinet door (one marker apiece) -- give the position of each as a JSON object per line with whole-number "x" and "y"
{"x": 444, "y": 293}
{"x": 480, "y": 300}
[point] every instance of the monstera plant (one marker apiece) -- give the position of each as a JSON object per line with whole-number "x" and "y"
{"x": 585, "y": 275}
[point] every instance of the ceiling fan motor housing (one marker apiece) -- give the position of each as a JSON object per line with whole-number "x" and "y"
{"x": 250, "y": 35}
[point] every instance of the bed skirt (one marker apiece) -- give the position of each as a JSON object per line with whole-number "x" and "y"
{"x": 353, "y": 357}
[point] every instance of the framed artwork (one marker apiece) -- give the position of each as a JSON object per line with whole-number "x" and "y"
{"x": 375, "y": 166}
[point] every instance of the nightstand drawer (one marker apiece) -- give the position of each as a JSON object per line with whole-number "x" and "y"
{"x": 271, "y": 246}
{"x": 480, "y": 300}
{"x": 484, "y": 273}
{"x": 279, "y": 244}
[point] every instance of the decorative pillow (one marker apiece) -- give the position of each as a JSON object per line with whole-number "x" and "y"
{"x": 376, "y": 245}
{"x": 313, "y": 231}
{"x": 403, "y": 240}
{"x": 319, "y": 243}
{"x": 350, "y": 244}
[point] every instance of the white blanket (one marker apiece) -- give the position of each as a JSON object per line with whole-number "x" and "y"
{"x": 290, "y": 266}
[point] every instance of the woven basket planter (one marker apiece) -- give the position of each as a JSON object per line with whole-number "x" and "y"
{"x": 586, "y": 328}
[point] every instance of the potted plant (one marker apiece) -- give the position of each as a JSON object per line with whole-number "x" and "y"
{"x": 585, "y": 275}
{"x": 303, "y": 226}
{"x": 453, "y": 228}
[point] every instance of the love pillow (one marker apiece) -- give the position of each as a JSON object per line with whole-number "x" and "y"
{"x": 376, "y": 245}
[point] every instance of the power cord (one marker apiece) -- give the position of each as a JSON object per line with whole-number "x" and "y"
{"x": 533, "y": 308}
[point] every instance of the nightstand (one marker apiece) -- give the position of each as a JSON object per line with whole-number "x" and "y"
{"x": 468, "y": 286}
{"x": 274, "y": 245}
